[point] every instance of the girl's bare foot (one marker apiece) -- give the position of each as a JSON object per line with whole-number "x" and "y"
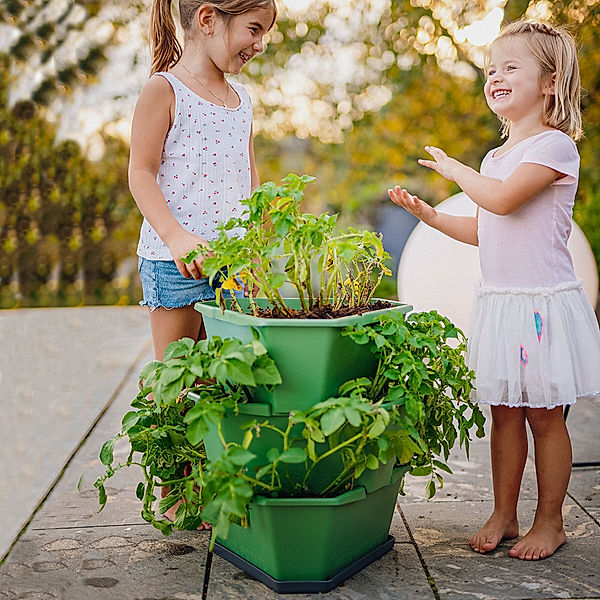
{"x": 493, "y": 532}
{"x": 541, "y": 541}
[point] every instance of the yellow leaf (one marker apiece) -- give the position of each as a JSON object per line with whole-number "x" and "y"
{"x": 231, "y": 284}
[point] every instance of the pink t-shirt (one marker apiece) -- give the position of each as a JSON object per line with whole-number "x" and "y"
{"x": 528, "y": 248}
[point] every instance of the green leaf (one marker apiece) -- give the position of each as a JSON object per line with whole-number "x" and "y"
{"x": 272, "y": 454}
{"x": 442, "y": 466}
{"x": 293, "y": 456}
{"x": 148, "y": 370}
{"x": 263, "y": 471}
{"x": 170, "y": 374}
{"x": 167, "y": 502}
{"x": 310, "y": 447}
{"x": 239, "y": 372}
{"x": 179, "y": 348}
{"x": 421, "y": 471}
{"x": 430, "y": 489}
{"x": 139, "y": 491}
{"x": 265, "y": 372}
{"x": 240, "y": 456}
{"x": 332, "y": 420}
{"x": 372, "y": 462}
{"x": 278, "y": 280}
{"x": 129, "y": 420}
{"x": 196, "y": 431}
{"x": 101, "y": 496}
{"x": 167, "y": 394}
{"x": 377, "y": 428}
{"x": 352, "y": 415}
{"x": 257, "y": 347}
{"x": 360, "y": 469}
{"x": 106, "y": 453}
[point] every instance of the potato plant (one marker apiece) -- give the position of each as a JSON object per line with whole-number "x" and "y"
{"x": 349, "y": 263}
{"x": 413, "y": 411}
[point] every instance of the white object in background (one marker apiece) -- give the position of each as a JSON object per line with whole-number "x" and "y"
{"x": 436, "y": 272}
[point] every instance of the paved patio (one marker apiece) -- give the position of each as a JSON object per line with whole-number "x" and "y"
{"x": 67, "y": 377}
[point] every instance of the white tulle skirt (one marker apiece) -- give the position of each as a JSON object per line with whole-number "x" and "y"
{"x": 538, "y": 348}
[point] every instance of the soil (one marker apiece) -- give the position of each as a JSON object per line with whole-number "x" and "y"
{"x": 323, "y": 312}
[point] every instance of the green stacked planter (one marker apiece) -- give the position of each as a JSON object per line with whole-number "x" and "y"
{"x": 300, "y": 545}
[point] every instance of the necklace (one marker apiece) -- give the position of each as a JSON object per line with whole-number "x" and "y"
{"x": 223, "y": 101}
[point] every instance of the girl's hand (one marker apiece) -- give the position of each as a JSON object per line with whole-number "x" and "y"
{"x": 413, "y": 204}
{"x": 180, "y": 246}
{"x": 447, "y": 167}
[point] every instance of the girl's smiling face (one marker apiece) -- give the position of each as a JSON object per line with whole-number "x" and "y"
{"x": 242, "y": 39}
{"x": 513, "y": 88}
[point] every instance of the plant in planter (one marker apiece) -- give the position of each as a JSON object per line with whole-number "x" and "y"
{"x": 410, "y": 413}
{"x": 350, "y": 264}
{"x": 170, "y": 452}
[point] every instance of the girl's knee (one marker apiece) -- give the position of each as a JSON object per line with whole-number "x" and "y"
{"x": 543, "y": 420}
{"x": 506, "y": 416}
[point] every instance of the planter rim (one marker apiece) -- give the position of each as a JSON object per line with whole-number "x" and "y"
{"x": 210, "y": 309}
{"x": 354, "y": 495}
{"x": 255, "y": 409}
{"x": 346, "y": 498}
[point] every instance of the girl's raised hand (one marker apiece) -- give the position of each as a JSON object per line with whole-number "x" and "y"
{"x": 412, "y": 204}
{"x": 442, "y": 163}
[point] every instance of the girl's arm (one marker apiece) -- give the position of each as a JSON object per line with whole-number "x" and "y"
{"x": 254, "y": 179}
{"x": 152, "y": 120}
{"x": 496, "y": 196}
{"x": 463, "y": 229}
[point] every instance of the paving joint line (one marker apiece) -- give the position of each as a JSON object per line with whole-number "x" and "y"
{"x": 82, "y": 441}
{"x": 583, "y": 508}
{"x": 430, "y": 579}
{"x": 89, "y": 526}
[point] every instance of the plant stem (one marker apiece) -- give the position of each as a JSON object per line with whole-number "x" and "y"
{"x": 271, "y": 488}
{"x": 329, "y": 453}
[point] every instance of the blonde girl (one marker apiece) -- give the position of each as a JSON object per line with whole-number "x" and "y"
{"x": 534, "y": 340}
{"x": 192, "y": 157}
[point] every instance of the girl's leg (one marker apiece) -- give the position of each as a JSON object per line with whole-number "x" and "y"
{"x": 172, "y": 324}
{"x": 553, "y": 460}
{"x": 508, "y": 446}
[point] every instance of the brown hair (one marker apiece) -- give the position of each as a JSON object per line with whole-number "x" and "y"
{"x": 555, "y": 51}
{"x": 166, "y": 49}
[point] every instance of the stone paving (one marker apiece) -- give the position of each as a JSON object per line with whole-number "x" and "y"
{"x": 68, "y": 376}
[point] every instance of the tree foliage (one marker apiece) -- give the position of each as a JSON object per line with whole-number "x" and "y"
{"x": 66, "y": 223}
{"x": 381, "y": 79}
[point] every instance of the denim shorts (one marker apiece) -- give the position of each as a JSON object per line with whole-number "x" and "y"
{"x": 164, "y": 286}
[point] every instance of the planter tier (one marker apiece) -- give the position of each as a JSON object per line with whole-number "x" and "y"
{"x": 314, "y": 359}
{"x": 292, "y": 474}
{"x": 307, "y": 545}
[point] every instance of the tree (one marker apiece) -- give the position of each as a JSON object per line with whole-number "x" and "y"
{"x": 66, "y": 223}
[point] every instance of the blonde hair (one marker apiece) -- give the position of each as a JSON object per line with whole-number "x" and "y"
{"x": 555, "y": 51}
{"x": 166, "y": 49}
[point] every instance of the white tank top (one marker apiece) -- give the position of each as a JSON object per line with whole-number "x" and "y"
{"x": 204, "y": 170}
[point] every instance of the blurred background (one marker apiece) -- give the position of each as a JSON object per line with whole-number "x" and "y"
{"x": 349, "y": 92}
